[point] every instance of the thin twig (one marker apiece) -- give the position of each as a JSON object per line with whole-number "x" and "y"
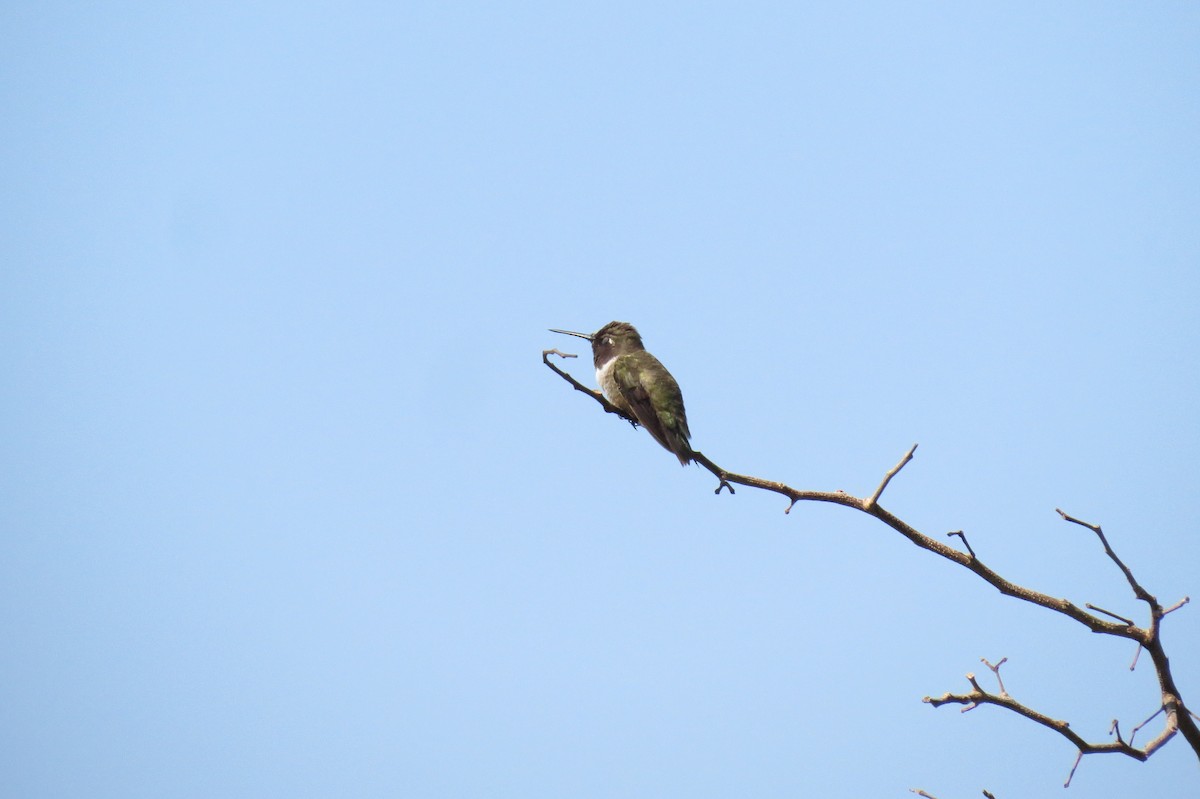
{"x": 1137, "y": 653}
{"x": 1138, "y": 591}
{"x": 1133, "y": 733}
{"x": 887, "y": 478}
{"x": 966, "y": 543}
{"x": 1071, "y": 776}
{"x": 1090, "y": 606}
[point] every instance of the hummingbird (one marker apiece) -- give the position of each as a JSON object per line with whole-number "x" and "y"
{"x": 639, "y": 385}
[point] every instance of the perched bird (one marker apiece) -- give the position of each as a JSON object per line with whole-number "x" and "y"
{"x": 638, "y": 384}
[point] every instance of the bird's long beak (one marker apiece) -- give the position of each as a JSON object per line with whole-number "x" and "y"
{"x": 572, "y": 333}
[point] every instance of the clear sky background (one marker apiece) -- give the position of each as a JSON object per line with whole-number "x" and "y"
{"x": 292, "y": 508}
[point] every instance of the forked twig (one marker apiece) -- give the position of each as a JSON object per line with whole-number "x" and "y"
{"x": 996, "y": 670}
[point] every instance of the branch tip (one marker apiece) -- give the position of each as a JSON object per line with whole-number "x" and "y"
{"x": 1095, "y": 528}
{"x": 1177, "y": 605}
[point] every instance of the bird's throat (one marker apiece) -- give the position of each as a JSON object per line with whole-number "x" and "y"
{"x": 608, "y": 382}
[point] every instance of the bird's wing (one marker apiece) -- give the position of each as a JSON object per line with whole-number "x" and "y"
{"x": 626, "y": 372}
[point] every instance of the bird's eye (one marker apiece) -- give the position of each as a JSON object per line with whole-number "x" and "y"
{"x": 607, "y": 341}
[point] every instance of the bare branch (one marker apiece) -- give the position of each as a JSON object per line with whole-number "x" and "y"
{"x": 978, "y": 696}
{"x": 1004, "y": 586}
{"x": 1179, "y": 718}
{"x": 726, "y": 477}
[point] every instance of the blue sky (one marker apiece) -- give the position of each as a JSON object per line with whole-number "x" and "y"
{"x": 293, "y": 508}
